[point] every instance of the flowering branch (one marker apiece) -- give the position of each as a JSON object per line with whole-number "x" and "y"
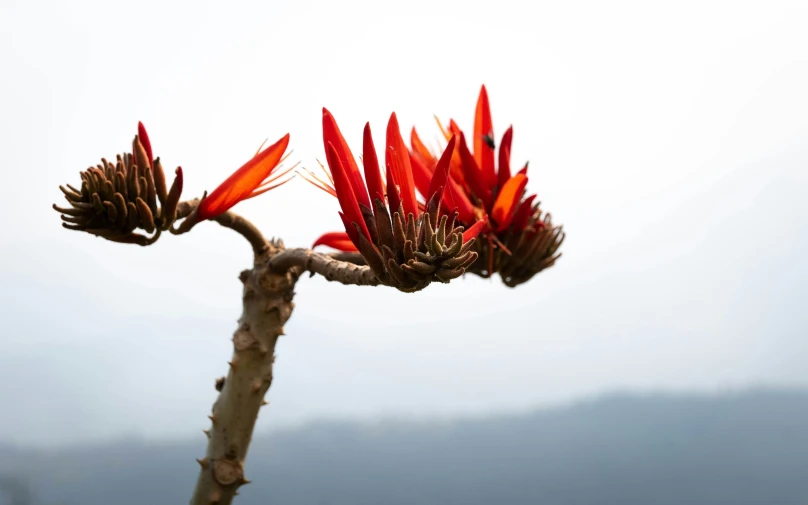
{"x": 475, "y": 217}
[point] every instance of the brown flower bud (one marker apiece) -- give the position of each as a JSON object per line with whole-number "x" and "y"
{"x": 116, "y": 199}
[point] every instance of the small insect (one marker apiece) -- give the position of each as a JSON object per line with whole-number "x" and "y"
{"x": 489, "y": 141}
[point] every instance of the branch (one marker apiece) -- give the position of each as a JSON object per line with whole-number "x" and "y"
{"x": 344, "y": 272}
{"x": 228, "y": 219}
{"x": 267, "y": 304}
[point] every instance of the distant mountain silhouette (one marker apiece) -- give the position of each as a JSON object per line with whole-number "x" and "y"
{"x": 747, "y": 448}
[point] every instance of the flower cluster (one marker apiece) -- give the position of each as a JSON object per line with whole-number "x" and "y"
{"x": 518, "y": 240}
{"x": 407, "y": 243}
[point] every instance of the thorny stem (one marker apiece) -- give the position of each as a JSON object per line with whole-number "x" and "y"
{"x": 267, "y": 305}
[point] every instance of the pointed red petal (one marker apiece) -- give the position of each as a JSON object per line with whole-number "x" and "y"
{"x": 522, "y": 214}
{"x": 472, "y": 174}
{"x": 456, "y": 199}
{"x": 332, "y": 134}
{"x": 350, "y": 229}
{"x": 345, "y": 194}
{"x": 507, "y": 201}
{"x": 475, "y": 230}
{"x": 144, "y": 140}
{"x": 524, "y": 169}
{"x": 243, "y": 181}
{"x": 393, "y": 196}
{"x": 483, "y": 127}
{"x": 398, "y": 159}
{"x": 453, "y": 129}
{"x": 338, "y": 240}
{"x": 505, "y": 157}
{"x": 372, "y": 174}
{"x": 421, "y": 150}
{"x": 420, "y": 175}
{"x": 441, "y": 174}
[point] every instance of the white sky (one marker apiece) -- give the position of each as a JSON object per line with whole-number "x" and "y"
{"x": 669, "y": 139}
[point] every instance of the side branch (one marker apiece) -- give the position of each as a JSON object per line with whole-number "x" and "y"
{"x": 228, "y": 219}
{"x": 332, "y": 269}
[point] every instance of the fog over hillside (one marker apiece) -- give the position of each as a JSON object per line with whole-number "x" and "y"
{"x": 746, "y": 448}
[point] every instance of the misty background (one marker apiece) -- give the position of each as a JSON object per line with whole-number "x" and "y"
{"x": 669, "y": 139}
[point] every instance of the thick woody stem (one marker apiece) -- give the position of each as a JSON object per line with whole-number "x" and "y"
{"x": 267, "y": 304}
{"x": 299, "y": 260}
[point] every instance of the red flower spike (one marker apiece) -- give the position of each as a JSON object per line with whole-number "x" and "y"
{"x": 336, "y": 240}
{"x": 332, "y": 134}
{"x": 522, "y": 214}
{"x": 483, "y": 139}
{"x": 373, "y": 175}
{"x": 505, "y": 157}
{"x": 347, "y": 200}
{"x": 507, "y": 201}
{"x": 144, "y": 140}
{"x": 474, "y": 230}
{"x": 441, "y": 174}
{"x": 473, "y": 176}
{"x": 398, "y": 159}
{"x": 243, "y": 182}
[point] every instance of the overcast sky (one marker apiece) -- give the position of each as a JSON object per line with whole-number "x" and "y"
{"x": 670, "y": 139}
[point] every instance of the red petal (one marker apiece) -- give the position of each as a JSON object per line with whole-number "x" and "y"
{"x": 505, "y": 157}
{"x": 398, "y": 159}
{"x": 338, "y": 240}
{"x": 475, "y": 230}
{"x": 509, "y": 197}
{"x": 351, "y": 229}
{"x": 144, "y": 140}
{"x": 522, "y": 214}
{"x": 393, "y": 196}
{"x": 524, "y": 169}
{"x": 332, "y": 134}
{"x": 456, "y": 199}
{"x": 483, "y": 127}
{"x": 421, "y": 175}
{"x": 453, "y": 129}
{"x": 345, "y": 194}
{"x": 472, "y": 174}
{"x": 441, "y": 174}
{"x": 372, "y": 174}
{"x": 243, "y": 181}
{"x": 421, "y": 151}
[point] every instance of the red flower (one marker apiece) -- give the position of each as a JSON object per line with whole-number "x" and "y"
{"x": 252, "y": 179}
{"x": 482, "y": 186}
{"x": 386, "y": 222}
